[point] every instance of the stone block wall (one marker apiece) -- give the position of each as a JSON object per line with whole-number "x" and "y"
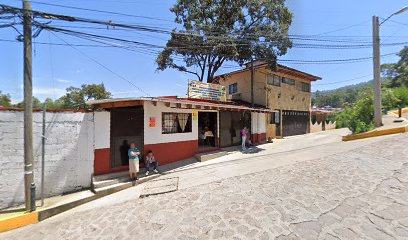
{"x": 68, "y": 154}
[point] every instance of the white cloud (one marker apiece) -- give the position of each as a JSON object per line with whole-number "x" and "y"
{"x": 48, "y": 92}
{"x": 60, "y": 80}
{"x": 15, "y": 100}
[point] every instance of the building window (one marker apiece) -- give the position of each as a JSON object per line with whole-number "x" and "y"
{"x": 176, "y": 123}
{"x": 305, "y": 87}
{"x": 288, "y": 81}
{"x": 273, "y": 80}
{"x": 274, "y": 118}
{"x": 233, "y": 88}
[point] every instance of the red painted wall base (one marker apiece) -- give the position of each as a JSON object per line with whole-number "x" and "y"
{"x": 166, "y": 153}
{"x": 102, "y": 162}
{"x": 258, "y": 138}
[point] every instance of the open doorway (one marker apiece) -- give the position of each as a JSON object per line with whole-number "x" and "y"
{"x": 231, "y": 125}
{"x": 126, "y": 128}
{"x": 207, "y": 131}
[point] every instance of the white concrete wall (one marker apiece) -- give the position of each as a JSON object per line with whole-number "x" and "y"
{"x": 254, "y": 122}
{"x": 258, "y": 122}
{"x": 315, "y": 127}
{"x": 102, "y": 129}
{"x": 261, "y": 123}
{"x": 154, "y": 135}
{"x": 68, "y": 159}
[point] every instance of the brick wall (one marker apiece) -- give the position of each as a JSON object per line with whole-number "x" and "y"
{"x": 68, "y": 158}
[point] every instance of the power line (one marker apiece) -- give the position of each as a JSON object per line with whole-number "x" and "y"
{"x": 342, "y": 29}
{"x": 101, "y": 11}
{"x": 349, "y": 80}
{"x": 126, "y": 47}
{"x": 241, "y": 42}
{"x": 162, "y": 30}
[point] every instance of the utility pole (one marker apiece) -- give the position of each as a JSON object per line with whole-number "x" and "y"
{"x": 252, "y": 83}
{"x": 43, "y": 154}
{"x": 377, "y": 73}
{"x": 29, "y": 186}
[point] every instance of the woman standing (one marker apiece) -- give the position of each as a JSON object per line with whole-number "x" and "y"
{"x": 244, "y": 136}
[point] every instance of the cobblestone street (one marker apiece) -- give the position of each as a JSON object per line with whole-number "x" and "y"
{"x": 351, "y": 195}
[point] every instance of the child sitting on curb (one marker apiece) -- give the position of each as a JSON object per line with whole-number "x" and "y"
{"x": 151, "y": 160}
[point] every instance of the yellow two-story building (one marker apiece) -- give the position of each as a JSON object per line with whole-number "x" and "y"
{"x": 286, "y": 90}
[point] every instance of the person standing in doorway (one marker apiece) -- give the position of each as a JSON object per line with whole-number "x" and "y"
{"x": 244, "y": 137}
{"x": 133, "y": 154}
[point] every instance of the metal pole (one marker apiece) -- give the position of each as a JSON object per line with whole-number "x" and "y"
{"x": 28, "y": 109}
{"x": 252, "y": 82}
{"x": 43, "y": 154}
{"x": 377, "y": 73}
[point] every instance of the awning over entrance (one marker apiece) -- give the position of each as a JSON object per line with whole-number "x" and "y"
{"x": 178, "y": 102}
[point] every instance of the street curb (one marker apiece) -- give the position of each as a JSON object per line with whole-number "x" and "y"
{"x": 18, "y": 221}
{"x": 376, "y": 133}
{"x": 404, "y": 110}
{"x": 26, "y": 219}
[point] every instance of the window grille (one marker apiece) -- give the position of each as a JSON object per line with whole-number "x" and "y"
{"x": 176, "y": 123}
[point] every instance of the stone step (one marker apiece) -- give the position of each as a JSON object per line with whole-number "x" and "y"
{"x": 108, "y": 182}
{"x": 110, "y": 176}
{"x": 103, "y": 191}
{"x": 113, "y": 185}
{"x": 210, "y": 155}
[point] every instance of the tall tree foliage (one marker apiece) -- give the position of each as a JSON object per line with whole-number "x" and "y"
{"x": 397, "y": 72}
{"x": 216, "y": 31}
{"x": 76, "y": 98}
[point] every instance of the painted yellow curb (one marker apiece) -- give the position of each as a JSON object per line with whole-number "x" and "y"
{"x": 404, "y": 110}
{"x": 18, "y": 221}
{"x": 376, "y": 133}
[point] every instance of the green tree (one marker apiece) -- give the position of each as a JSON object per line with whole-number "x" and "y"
{"x": 358, "y": 117}
{"x": 216, "y": 31}
{"x": 52, "y": 105}
{"x": 398, "y": 72}
{"x": 401, "y": 94}
{"x": 389, "y": 100}
{"x": 5, "y": 100}
{"x": 36, "y": 104}
{"x": 76, "y": 98}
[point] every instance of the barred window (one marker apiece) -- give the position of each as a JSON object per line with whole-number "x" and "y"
{"x": 274, "y": 80}
{"x": 304, "y": 87}
{"x": 288, "y": 81}
{"x": 176, "y": 123}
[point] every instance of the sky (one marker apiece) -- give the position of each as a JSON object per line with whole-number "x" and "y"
{"x": 133, "y": 73}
